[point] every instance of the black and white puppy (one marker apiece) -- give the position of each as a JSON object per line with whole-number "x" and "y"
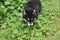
{"x": 31, "y": 10}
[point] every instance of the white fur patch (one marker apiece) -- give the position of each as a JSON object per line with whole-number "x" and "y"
{"x": 28, "y": 18}
{"x": 25, "y": 20}
{"x": 30, "y": 24}
{"x": 34, "y": 11}
{"x": 24, "y": 12}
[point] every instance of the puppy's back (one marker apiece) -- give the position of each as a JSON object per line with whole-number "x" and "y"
{"x": 35, "y": 4}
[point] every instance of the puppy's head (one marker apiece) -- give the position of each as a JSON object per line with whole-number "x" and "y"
{"x": 29, "y": 16}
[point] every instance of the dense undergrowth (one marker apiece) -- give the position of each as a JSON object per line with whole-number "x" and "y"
{"x": 46, "y": 27}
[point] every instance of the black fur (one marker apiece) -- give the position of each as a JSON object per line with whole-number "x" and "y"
{"x": 28, "y": 11}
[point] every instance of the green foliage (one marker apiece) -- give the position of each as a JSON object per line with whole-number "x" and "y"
{"x": 45, "y": 27}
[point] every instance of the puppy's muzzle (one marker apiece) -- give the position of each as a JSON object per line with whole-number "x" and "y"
{"x": 30, "y": 24}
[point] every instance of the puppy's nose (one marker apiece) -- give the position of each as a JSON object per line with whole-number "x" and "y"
{"x": 30, "y": 24}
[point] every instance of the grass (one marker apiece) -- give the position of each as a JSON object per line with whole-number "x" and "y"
{"x": 46, "y": 27}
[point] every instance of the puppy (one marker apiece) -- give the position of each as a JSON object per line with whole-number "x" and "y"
{"x": 31, "y": 10}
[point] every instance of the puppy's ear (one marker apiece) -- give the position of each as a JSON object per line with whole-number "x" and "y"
{"x": 24, "y": 12}
{"x": 34, "y": 11}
